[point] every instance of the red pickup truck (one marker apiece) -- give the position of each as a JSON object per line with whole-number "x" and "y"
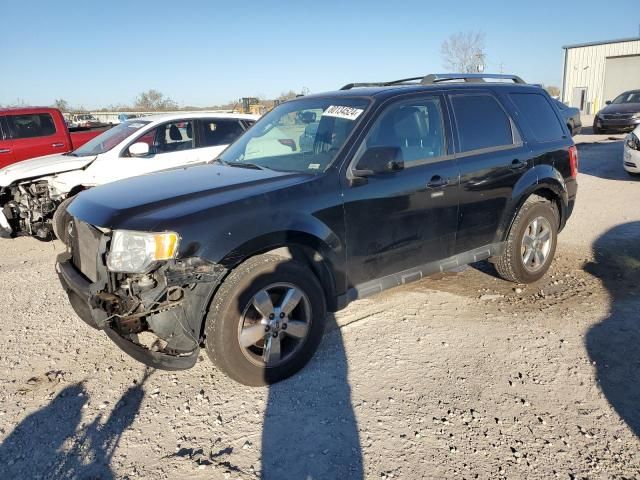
{"x": 36, "y": 131}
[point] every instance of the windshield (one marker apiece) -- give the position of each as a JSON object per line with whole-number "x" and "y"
{"x": 302, "y": 135}
{"x": 109, "y": 139}
{"x": 628, "y": 97}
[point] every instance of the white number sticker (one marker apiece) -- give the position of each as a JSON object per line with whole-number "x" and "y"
{"x": 348, "y": 113}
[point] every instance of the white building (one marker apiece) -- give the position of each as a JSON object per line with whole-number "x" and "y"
{"x": 599, "y": 71}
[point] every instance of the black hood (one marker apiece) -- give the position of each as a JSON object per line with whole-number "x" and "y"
{"x": 142, "y": 203}
{"x": 621, "y": 108}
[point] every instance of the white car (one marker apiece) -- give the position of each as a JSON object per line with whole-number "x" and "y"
{"x": 631, "y": 158}
{"x": 32, "y": 191}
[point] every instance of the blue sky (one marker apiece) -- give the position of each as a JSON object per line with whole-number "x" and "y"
{"x": 96, "y": 53}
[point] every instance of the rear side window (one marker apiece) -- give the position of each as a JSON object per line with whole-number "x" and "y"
{"x": 539, "y": 115}
{"x": 481, "y": 122}
{"x": 29, "y": 126}
{"x": 220, "y": 132}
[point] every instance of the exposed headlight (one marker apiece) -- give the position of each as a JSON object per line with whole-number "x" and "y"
{"x": 135, "y": 252}
{"x": 636, "y": 115}
{"x": 632, "y": 141}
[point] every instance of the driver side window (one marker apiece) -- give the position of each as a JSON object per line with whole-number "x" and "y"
{"x": 170, "y": 137}
{"x": 413, "y": 128}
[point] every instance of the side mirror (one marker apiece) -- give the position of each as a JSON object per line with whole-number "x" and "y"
{"x": 140, "y": 149}
{"x": 608, "y": 102}
{"x": 379, "y": 160}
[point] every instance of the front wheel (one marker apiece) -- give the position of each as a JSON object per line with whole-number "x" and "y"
{"x": 266, "y": 320}
{"x": 531, "y": 243}
{"x": 61, "y": 221}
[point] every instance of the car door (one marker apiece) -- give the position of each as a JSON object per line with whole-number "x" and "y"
{"x": 171, "y": 144}
{"x": 216, "y": 134}
{"x": 492, "y": 159}
{"x": 35, "y": 135}
{"x": 398, "y": 220}
{"x": 6, "y": 145}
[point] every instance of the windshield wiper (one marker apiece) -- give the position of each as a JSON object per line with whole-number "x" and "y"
{"x": 252, "y": 166}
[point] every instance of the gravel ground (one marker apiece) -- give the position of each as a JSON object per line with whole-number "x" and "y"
{"x": 460, "y": 375}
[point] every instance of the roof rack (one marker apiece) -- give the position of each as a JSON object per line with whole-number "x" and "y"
{"x": 439, "y": 77}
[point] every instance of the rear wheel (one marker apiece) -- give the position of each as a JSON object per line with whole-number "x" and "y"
{"x": 266, "y": 320}
{"x": 61, "y": 221}
{"x": 531, "y": 243}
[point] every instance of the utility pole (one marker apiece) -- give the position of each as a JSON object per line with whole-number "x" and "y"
{"x": 501, "y": 68}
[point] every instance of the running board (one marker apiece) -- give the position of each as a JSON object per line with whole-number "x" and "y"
{"x": 418, "y": 273}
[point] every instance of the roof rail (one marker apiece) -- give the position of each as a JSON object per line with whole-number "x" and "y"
{"x": 438, "y": 77}
{"x": 468, "y": 77}
{"x": 349, "y": 86}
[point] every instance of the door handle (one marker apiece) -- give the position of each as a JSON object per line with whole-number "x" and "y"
{"x": 518, "y": 165}
{"x": 5, "y": 150}
{"x": 57, "y": 145}
{"x": 437, "y": 181}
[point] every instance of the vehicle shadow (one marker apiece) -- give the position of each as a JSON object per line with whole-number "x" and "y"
{"x": 53, "y": 443}
{"x": 614, "y": 344}
{"x": 310, "y": 430}
{"x": 603, "y": 160}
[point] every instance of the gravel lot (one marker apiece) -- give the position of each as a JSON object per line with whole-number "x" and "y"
{"x": 460, "y": 375}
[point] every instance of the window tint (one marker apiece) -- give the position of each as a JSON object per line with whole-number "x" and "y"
{"x": 29, "y": 126}
{"x": 539, "y": 115}
{"x": 415, "y": 127}
{"x": 481, "y": 122}
{"x": 170, "y": 137}
{"x": 220, "y": 132}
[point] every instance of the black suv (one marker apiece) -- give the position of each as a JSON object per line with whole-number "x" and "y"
{"x": 244, "y": 255}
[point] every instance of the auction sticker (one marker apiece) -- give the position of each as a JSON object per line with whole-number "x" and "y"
{"x": 348, "y": 113}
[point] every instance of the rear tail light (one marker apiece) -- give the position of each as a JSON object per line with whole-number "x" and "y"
{"x": 573, "y": 161}
{"x": 289, "y": 143}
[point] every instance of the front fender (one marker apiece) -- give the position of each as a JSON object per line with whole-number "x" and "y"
{"x": 234, "y": 242}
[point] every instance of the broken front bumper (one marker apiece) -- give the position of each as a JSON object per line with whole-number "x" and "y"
{"x": 82, "y": 296}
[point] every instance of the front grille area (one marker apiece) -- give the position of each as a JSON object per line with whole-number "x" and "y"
{"x": 85, "y": 245}
{"x": 617, "y": 116}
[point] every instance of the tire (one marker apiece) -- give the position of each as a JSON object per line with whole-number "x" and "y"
{"x": 61, "y": 220}
{"x": 597, "y": 130}
{"x": 511, "y": 264}
{"x": 633, "y": 174}
{"x": 233, "y": 314}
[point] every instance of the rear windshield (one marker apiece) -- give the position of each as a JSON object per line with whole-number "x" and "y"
{"x": 109, "y": 139}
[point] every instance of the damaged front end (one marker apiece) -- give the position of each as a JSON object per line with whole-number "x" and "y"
{"x": 27, "y": 208}
{"x": 155, "y": 317}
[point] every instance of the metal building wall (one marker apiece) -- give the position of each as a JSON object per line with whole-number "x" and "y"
{"x": 585, "y": 67}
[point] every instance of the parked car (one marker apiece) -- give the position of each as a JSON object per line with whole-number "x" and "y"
{"x": 631, "y": 155}
{"x": 245, "y": 257}
{"x": 620, "y": 115}
{"x": 571, "y": 116}
{"x": 36, "y": 131}
{"x": 84, "y": 121}
{"x": 34, "y": 194}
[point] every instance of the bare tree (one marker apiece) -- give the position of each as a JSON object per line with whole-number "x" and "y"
{"x": 553, "y": 90}
{"x": 62, "y": 105}
{"x": 153, "y": 100}
{"x": 463, "y": 52}
{"x": 287, "y": 95}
